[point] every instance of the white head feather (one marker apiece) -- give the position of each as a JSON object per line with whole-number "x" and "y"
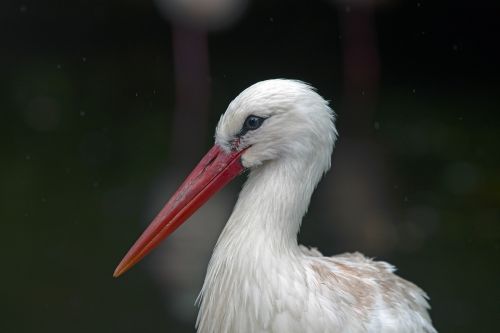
{"x": 299, "y": 123}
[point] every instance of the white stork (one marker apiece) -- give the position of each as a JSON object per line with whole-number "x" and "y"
{"x": 259, "y": 278}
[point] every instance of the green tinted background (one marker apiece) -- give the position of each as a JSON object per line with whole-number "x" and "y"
{"x": 87, "y": 94}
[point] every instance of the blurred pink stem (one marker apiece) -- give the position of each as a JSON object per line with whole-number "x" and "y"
{"x": 361, "y": 68}
{"x": 192, "y": 84}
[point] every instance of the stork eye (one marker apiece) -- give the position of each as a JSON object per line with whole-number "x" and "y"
{"x": 252, "y": 123}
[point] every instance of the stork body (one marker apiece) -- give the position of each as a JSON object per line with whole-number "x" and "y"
{"x": 259, "y": 279}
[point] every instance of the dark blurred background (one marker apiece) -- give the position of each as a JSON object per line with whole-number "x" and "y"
{"x": 106, "y": 105}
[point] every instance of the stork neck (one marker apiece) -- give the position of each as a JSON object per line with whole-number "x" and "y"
{"x": 272, "y": 203}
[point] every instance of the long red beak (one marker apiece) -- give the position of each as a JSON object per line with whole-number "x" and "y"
{"x": 213, "y": 172}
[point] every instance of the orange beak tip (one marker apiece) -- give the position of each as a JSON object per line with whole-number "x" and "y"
{"x": 116, "y": 274}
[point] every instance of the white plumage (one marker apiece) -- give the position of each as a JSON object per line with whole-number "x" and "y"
{"x": 259, "y": 279}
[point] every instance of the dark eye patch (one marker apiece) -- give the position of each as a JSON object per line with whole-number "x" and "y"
{"x": 251, "y": 123}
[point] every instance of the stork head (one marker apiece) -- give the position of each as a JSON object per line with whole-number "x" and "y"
{"x": 278, "y": 119}
{"x": 272, "y": 120}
